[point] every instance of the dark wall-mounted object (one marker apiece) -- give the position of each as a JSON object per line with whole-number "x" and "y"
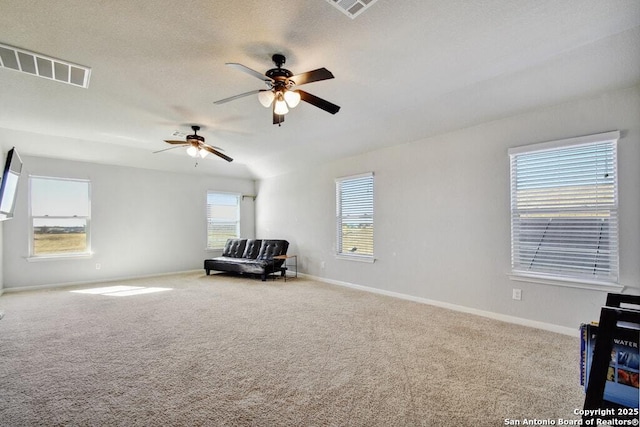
{"x": 9, "y": 185}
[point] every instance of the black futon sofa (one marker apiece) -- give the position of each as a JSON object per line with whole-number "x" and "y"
{"x": 249, "y": 256}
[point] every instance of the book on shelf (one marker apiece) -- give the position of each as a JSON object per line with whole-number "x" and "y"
{"x": 623, "y": 375}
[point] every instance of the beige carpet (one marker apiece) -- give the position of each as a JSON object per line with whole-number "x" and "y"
{"x": 230, "y": 351}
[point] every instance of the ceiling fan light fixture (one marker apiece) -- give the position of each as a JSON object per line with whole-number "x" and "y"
{"x": 281, "y": 105}
{"x": 203, "y": 153}
{"x": 266, "y": 98}
{"x": 292, "y": 98}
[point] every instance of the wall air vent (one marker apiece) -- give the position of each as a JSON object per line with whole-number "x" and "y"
{"x": 352, "y": 8}
{"x": 44, "y": 66}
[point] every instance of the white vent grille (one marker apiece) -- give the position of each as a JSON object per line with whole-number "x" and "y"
{"x": 352, "y": 8}
{"x": 44, "y": 66}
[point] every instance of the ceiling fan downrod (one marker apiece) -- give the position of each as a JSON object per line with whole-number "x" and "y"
{"x": 279, "y": 60}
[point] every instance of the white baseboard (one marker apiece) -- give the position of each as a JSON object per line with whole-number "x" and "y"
{"x": 93, "y": 282}
{"x": 489, "y": 314}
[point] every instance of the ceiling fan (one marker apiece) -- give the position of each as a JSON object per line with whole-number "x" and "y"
{"x": 196, "y": 146}
{"x": 281, "y": 94}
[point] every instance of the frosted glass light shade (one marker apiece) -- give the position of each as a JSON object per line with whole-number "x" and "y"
{"x": 281, "y": 106}
{"x": 203, "y": 153}
{"x": 266, "y": 98}
{"x": 192, "y": 151}
{"x": 292, "y": 98}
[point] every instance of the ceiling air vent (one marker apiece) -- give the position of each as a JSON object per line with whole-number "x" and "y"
{"x": 352, "y": 8}
{"x": 44, "y": 66}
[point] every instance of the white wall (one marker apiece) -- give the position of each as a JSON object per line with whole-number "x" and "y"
{"x": 142, "y": 222}
{"x": 442, "y": 224}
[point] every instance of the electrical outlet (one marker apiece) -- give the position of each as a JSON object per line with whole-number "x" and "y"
{"x": 98, "y": 266}
{"x": 517, "y": 294}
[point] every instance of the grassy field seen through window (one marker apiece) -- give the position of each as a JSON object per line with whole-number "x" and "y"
{"x": 357, "y": 239}
{"x": 59, "y": 243}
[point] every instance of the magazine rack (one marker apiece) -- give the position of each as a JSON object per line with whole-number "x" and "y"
{"x": 612, "y": 318}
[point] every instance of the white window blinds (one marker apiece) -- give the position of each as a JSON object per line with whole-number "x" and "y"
{"x": 354, "y": 214}
{"x": 223, "y": 218}
{"x": 564, "y": 209}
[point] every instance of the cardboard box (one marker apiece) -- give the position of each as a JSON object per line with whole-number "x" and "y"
{"x": 622, "y": 379}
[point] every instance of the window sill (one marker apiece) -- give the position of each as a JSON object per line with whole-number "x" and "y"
{"x": 358, "y": 258}
{"x": 58, "y": 257}
{"x": 568, "y": 283}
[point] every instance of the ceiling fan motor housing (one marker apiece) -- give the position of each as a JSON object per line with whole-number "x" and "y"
{"x": 195, "y": 137}
{"x": 279, "y": 75}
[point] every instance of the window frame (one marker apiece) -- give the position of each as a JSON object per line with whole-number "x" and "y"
{"x": 238, "y": 197}
{"x": 340, "y": 218}
{"x": 609, "y": 282}
{"x": 87, "y": 253}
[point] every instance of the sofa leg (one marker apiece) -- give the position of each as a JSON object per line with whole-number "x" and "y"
{"x": 264, "y": 277}
{"x": 208, "y": 271}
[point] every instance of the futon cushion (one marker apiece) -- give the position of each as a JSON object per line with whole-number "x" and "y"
{"x": 234, "y": 248}
{"x": 252, "y": 248}
{"x": 271, "y": 248}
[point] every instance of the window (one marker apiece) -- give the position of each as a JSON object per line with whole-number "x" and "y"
{"x": 223, "y": 218}
{"x": 60, "y": 216}
{"x": 354, "y": 216}
{"x": 564, "y": 209}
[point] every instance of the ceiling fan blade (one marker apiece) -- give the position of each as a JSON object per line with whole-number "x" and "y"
{"x": 318, "y": 102}
{"x": 277, "y": 118}
{"x": 175, "y": 142}
{"x": 242, "y": 95}
{"x": 311, "y": 76}
{"x": 170, "y": 148}
{"x": 249, "y": 71}
{"x": 216, "y": 152}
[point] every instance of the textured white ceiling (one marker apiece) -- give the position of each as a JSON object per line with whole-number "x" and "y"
{"x": 404, "y": 70}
